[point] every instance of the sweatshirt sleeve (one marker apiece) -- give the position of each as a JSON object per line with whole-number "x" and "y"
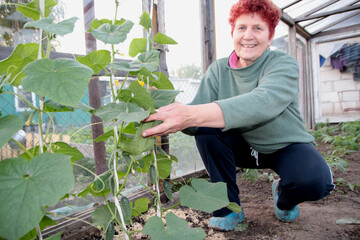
{"x": 206, "y": 93}
{"x": 277, "y": 89}
{"x": 209, "y": 87}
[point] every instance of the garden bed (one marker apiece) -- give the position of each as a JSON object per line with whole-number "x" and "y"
{"x": 318, "y": 220}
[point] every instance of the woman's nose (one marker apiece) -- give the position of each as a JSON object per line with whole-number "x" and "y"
{"x": 248, "y": 34}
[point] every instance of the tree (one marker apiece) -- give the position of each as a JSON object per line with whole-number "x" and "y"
{"x": 189, "y": 71}
{"x": 13, "y": 23}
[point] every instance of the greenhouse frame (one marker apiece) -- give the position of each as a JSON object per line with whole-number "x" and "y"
{"x": 322, "y": 35}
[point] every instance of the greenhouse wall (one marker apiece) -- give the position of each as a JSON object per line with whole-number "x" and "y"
{"x": 339, "y": 81}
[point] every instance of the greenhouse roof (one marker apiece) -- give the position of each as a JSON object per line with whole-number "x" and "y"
{"x": 321, "y": 17}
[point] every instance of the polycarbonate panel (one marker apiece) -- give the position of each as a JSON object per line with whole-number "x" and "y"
{"x": 303, "y": 7}
{"x": 282, "y": 3}
{"x": 306, "y": 8}
{"x": 338, "y": 5}
{"x": 328, "y": 22}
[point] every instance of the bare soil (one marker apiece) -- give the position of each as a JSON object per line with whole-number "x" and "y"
{"x": 318, "y": 220}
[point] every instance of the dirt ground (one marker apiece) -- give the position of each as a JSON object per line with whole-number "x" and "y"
{"x": 318, "y": 220}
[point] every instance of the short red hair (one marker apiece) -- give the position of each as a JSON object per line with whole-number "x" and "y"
{"x": 267, "y": 10}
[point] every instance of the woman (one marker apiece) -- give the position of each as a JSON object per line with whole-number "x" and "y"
{"x": 246, "y": 114}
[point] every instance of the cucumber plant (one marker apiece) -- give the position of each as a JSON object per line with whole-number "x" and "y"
{"x": 43, "y": 175}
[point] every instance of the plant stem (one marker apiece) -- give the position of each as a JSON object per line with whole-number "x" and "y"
{"x": 41, "y": 99}
{"x": 96, "y": 176}
{"x": 144, "y": 185}
{"x": 173, "y": 206}
{"x": 116, "y": 200}
{"x": 126, "y": 176}
{"x": 41, "y": 107}
{"x": 159, "y": 207}
{"x": 23, "y": 148}
{"x": 38, "y": 231}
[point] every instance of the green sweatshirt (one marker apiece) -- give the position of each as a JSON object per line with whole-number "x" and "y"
{"x": 259, "y": 101}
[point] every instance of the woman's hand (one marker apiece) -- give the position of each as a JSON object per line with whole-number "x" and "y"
{"x": 176, "y": 117}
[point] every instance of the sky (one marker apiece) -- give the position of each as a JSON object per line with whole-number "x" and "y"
{"x": 182, "y": 23}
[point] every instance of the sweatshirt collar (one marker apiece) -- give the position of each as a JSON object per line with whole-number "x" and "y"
{"x": 233, "y": 59}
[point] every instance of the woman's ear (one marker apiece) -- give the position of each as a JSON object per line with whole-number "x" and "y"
{"x": 270, "y": 40}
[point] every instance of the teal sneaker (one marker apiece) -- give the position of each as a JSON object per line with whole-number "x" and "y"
{"x": 227, "y": 223}
{"x": 283, "y": 215}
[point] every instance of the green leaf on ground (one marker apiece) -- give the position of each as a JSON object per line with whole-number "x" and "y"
{"x": 176, "y": 229}
{"x": 241, "y": 227}
{"x": 204, "y": 195}
{"x": 26, "y": 188}
{"x": 141, "y": 205}
{"x": 234, "y": 207}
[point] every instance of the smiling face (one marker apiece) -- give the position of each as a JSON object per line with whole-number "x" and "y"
{"x": 251, "y": 38}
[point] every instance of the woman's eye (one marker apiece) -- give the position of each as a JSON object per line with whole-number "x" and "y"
{"x": 257, "y": 28}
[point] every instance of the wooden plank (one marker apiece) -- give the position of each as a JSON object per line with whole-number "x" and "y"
{"x": 207, "y": 23}
{"x": 29, "y": 140}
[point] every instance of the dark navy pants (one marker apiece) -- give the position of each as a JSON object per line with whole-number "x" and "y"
{"x": 305, "y": 176}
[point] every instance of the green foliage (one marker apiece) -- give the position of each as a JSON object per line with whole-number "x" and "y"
{"x": 27, "y": 187}
{"x": 122, "y": 111}
{"x": 43, "y": 175}
{"x": 176, "y": 228}
{"x": 141, "y": 205}
{"x": 343, "y": 139}
{"x": 9, "y": 125}
{"x": 168, "y": 190}
{"x": 204, "y": 195}
{"x": 96, "y": 60}
{"x": 47, "y": 24}
{"x": 137, "y": 45}
{"x": 162, "y": 39}
{"x": 112, "y": 33}
{"x": 126, "y": 209}
{"x": 13, "y": 66}
{"x": 32, "y": 9}
{"x": 104, "y": 215}
{"x": 63, "y": 80}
